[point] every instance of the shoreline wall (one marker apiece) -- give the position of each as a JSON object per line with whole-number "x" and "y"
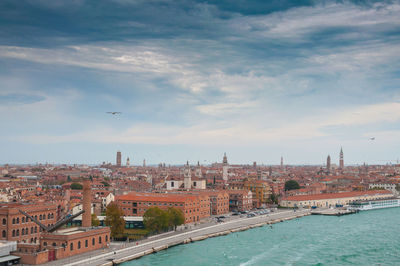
{"x": 199, "y": 238}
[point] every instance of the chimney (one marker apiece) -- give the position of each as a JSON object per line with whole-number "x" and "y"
{"x": 87, "y": 204}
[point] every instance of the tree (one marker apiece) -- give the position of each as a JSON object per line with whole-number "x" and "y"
{"x": 76, "y": 186}
{"x": 273, "y": 198}
{"x": 291, "y": 184}
{"x": 95, "y": 220}
{"x": 155, "y": 219}
{"x": 175, "y": 217}
{"x": 115, "y": 219}
{"x": 105, "y": 183}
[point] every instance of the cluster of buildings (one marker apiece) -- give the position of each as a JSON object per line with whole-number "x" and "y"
{"x": 37, "y": 202}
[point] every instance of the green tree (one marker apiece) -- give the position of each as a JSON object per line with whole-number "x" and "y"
{"x": 273, "y": 198}
{"x": 76, "y": 186}
{"x": 291, "y": 184}
{"x": 105, "y": 183}
{"x": 95, "y": 220}
{"x": 175, "y": 217}
{"x": 115, "y": 219}
{"x": 155, "y": 219}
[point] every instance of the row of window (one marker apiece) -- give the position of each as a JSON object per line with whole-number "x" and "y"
{"x": 23, "y": 220}
{"x": 71, "y": 245}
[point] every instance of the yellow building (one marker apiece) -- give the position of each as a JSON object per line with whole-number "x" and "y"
{"x": 260, "y": 189}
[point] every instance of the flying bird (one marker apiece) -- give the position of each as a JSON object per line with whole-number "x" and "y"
{"x": 114, "y": 113}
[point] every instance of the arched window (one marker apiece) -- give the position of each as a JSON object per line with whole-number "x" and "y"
{"x": 54, "y": 244}
{"x": 13, "y": 233}
{"x": 13, "y": 220}
{"x": 4, "y": 233}
{"x": 23, "y": 219}
{"x": 17, "y": 220}
{"x": 48, "y": 216}
{"x": 40, "y": 217}
{"x": 17, "y": 232}
{"x": 23, "y": 231}
{"x": 99, "y": 239}
{"x": 36, "y": 217}
{"x": 52, "y": 215}
{"x": 35, "y": 229}
{"x": 4, "y": 221}
{"x": 79, "y": 244}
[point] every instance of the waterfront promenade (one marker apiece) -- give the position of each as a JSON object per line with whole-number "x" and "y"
{"x": 119, "y": 252}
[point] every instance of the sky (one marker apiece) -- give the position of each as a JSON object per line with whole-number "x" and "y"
{"x": 194, "y": 79}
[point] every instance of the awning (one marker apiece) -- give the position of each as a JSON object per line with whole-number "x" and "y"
{"x": 9, "y": 258}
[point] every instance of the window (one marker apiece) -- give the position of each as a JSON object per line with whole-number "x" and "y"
{"x": 86, "y": 243}
{"x": 13, "y": 233}
{"x": 134, "y": 204}
{"x": 71, "y": 246}
{"x": 4, "y": 221}
{"x": 13, "y": 220}
{"x": 23, "y": 219}
{"x": 93, "y": 241}
{"x": 54, "y": 244}
{"x": 48, "y": 216}
{"x": 79, "y": 244}
{"x": 134, "y": 211}
{"x": 35, "y": 229}
{"x": 23, "y": 231}
{"x": 44, "y": 243}
{"x": 17, "y": 220}
{"x": 17, "y": 232}
{"x": 172, "y": 184}
{"x": 99, "y": 239}
{"x": 3, "y": 234}
{"x": 106, "y": 238}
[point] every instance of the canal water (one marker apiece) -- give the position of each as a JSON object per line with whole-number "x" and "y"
{"x": 366, "y": 238}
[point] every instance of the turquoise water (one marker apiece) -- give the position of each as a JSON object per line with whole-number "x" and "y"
{"x": 366, "y": 238}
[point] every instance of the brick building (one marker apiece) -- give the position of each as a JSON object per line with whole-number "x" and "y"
{"x": 193, "y": 206}
{"x": 219, "y": 201}
{"x": 14, "y": 226}
{"x": 240, "y": 200}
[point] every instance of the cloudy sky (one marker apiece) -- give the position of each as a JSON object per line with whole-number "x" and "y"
{"x": 194, "y": 79}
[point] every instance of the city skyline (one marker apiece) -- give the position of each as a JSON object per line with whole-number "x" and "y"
{"x": 195, "y": 79}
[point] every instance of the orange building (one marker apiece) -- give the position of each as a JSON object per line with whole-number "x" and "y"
{"x": 219, "y": 201}
{"x": 261, "y": 190}
{"x": 194, "y": 207}
{"x": 14, "y": 226}
{"x": 240, "y": 200}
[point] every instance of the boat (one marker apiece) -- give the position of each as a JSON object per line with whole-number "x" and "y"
{"x": 374, "y": 204}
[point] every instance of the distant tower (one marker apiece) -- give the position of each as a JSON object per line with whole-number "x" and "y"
{"x": 328, "y": 163}
{"x": 198, "y": 170}
{"x": 87, "y": 204}
{"x": 127, "y": 162}
{"x": 225, "y": 172}
{"x": 341, "y": 161}
{"x": 225, "y": 160}
{"x": 118, "y": 159}
{"x": 144, "y": 162}
{"x": 187, "y": 177}
{"x": 281, "y": 161}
